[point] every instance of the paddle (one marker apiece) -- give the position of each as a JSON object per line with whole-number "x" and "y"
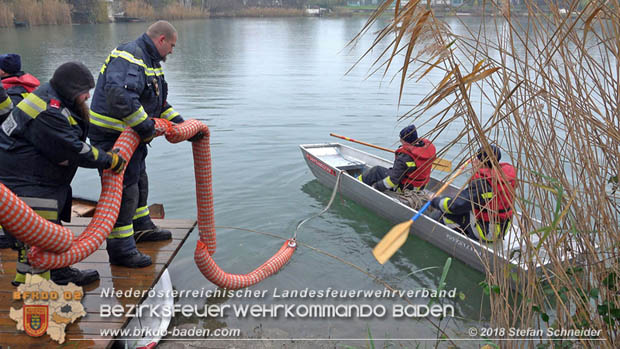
{"x": 397, "y": 236}
{"x": 439, "y": 164}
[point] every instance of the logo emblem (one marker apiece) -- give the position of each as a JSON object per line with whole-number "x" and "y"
{"x": 156, "y": 86}
{"x": 55, "y": 103}
{"x": 35, "y": 319}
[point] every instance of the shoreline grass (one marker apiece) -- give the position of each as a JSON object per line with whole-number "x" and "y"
{"x": 35, "y": 12}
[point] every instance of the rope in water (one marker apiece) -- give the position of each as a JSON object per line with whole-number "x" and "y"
{"x": 344, "y": 261}
{"x": 331, "y": 200}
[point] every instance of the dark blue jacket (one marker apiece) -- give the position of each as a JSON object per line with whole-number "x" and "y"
{"x": 130, "y": 88}
{"x": 42, "y": 143}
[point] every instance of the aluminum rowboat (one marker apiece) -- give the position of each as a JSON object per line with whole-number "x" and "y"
{"x": 328, "y": 159}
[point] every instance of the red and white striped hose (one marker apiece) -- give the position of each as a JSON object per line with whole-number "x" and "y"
{"x": 55, "y": 246}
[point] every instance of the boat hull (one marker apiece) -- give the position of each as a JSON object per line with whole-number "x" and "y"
{"x": 327, "y": 160}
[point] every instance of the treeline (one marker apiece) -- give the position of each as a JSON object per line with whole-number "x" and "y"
{"x": 39, "y": 12}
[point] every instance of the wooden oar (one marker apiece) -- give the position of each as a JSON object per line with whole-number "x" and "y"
{"x": 397, "y": 236}
{"x": 439, "y": 164}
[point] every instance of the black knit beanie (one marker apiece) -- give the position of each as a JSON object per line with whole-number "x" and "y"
{"x": 72, "y": 79}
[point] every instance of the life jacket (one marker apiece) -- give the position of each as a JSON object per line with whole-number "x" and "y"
{"x": 27, "y": 81}
{"x": 499, "y": 202}
{"x": 423, "y": 157}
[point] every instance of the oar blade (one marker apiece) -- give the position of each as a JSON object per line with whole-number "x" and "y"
{"x": 442, "y": 165}
{"x": 392, "y": 241}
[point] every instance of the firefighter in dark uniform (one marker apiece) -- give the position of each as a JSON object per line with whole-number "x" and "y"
{"x": 483, "y": 210}
{"x": 42, "y": 143}
{"x": 412, "y": 165}
{"x": 16, "y": 85}
{"x": 131, "y": 90}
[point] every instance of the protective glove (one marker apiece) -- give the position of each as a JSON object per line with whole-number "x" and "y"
{"x": 118, "y": 163}
{"x": 195, "y": 138}
{"x": 148, "y": 139}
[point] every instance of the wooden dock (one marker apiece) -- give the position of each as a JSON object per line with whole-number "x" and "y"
{"x": 85, "y": 332}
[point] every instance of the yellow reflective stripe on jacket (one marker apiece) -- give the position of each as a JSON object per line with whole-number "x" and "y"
{"x": 32, "y": 105}
{"x": 95, "y": 152}
{"x": 121, "y": 232}
{"x": 6, "y": 106}
{"x": 50, "y": 215}
{"x": 410, "y": 164}
{"x": 169, "y": 114}
{"x": 71, "y": 120}
{"x": 444, "y": 205}
{"x": 106, "y": 122}
{"x": 141, "y": 212}
{"x": 359, "y": 178}
{"x": 132, "y": 59}
{"x": 387, "y": 181}
{"x": 136, "y": 117}
{"x": 487, "y": 195}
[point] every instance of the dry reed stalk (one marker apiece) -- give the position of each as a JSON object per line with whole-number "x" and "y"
{"x": 177, "y": 11}
{"x": 269, "y": 12}
{"x": 41, "y": 12}
{"x": 551, "y": 79}
{"x": 6, "y": 15}
{"x": 139, "y": 9}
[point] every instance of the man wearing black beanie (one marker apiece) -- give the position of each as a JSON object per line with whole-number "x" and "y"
{"x": 411, "y": 170}
{"x": 42, "y": 143}
{"x": 16, "y": 82}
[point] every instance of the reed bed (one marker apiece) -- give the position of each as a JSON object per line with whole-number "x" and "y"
{"x": 545, "y": 89}
{"x": 139, "y": 9}
{"x": 177, "y": 11}
{"x": 6, "y": 15}
{"x": 40, "y": 12}
{"x": 269, "y": 12}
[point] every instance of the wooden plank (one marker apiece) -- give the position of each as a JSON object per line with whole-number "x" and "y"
{"x": 116, "y": 277}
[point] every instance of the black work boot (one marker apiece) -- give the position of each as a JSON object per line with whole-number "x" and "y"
{"x": 5, "y": 242}
{"x": 153, "y": 233}
{"x": 134, "y": 259}
{"x": 66, "y": 275}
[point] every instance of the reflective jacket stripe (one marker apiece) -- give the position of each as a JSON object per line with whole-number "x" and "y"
{"x": 169, "y": 114}
{"x": 132, "y": 120}
{"x": 487, "y": 195}
{"x": 136, "y": 117}
{"x": 444, "y": 205}
{"x": 141, "y": 212}
{"x": 106, "y": 121}
{"x": 7, "y": 105}
{"x": 132, "y": 59}
{"x": 32, "y": 105}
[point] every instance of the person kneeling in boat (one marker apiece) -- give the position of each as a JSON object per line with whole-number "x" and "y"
{"x": 483, "y": 211}
{"x": 42, "y": 143}
{"x": 412, "y": 166}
